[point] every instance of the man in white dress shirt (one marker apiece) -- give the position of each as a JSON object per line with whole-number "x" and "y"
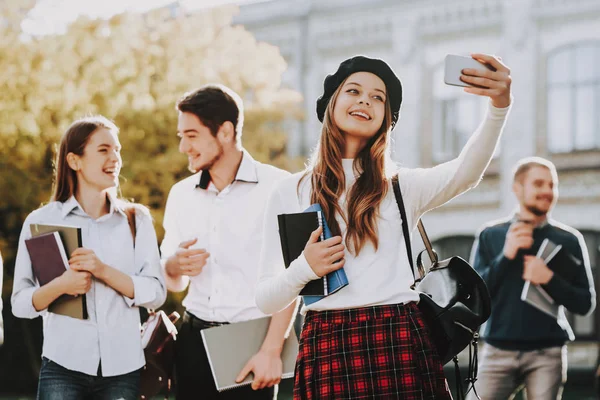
{"x": 213, "y": 231}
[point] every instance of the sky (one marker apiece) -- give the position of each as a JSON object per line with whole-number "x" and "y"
{"x": 52, "y": 16}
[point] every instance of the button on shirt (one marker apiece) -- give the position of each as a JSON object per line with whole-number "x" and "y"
{"x": 112, "y": 332}
{"x": 228, "y": 224}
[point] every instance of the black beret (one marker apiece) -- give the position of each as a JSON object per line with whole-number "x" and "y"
{"x": 362, "y": 64}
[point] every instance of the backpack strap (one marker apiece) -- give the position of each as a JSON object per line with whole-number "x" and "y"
{"x": 130, "y": 213}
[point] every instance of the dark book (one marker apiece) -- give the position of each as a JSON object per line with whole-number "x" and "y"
{"x": 294, "y": 232}
{"x": 48, "y": 257}
{"x": 71, "y": 306}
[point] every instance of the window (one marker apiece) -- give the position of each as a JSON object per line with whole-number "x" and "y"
{"x": 573, "y": 84}
{"x": 456, "y": 115}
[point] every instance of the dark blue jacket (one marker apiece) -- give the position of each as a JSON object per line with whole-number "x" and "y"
{"x": 514, "y": 324}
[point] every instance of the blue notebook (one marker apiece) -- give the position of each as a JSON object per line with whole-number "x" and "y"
{"x": 336, "y": 279}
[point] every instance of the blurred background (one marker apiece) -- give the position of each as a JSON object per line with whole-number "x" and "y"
{"x": 131, "y": 60}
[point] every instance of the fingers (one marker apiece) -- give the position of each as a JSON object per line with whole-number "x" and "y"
{"x": 336, "y": 256}
{"x": 79, "y": 259}
{"x": 335, "y": 266}
{"x": 488, "y": 92}
{"x": 190, "y": 252}
{"x": 188, "y": 243}
{"x": 81, "y": 251}
{"x": 491, "y": 60}
{"x": 258, "y": 384}
{"x": 315, "y": 235}
{"x": 332, "y": 241}
{"x": 198, "y": 260}
{"x": 244, "y": 372}
{"x": 484, "y": 82}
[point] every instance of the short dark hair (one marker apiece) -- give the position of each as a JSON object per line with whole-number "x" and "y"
{"x": 524, "y": 165}
{"x": 214, "y": 105}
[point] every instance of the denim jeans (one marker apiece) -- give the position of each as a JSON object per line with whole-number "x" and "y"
{"x": 59, "y": 383}
{"x": 502, "y": 373}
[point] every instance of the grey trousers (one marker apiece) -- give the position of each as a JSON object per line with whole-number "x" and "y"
{"x": 503, "y": 373}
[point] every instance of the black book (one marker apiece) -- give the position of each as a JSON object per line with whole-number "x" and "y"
{"x": 294, "y": 232}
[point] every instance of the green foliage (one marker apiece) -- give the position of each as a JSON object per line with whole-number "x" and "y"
{"x": 132, "y": 69}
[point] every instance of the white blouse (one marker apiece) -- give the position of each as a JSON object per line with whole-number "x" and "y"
{"x": 112, "y": 332}
{"x": 382, "y": 276}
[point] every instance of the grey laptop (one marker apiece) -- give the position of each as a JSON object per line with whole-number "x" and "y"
{"x": 229, "y": 347}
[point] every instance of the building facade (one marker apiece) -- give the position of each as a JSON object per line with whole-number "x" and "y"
{"x": 553, "y": 50}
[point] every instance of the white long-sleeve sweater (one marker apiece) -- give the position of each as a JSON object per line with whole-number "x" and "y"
{"x": 382, "y": 276}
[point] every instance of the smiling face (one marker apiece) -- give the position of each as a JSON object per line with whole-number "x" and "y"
{"x": 359, "y": 109}
{"x": 536, "y": 190}
{"x": 202, "y": 148}
{"x": 99, "y": 166}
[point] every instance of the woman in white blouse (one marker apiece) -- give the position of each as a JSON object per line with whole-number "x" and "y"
{"x": 368, "y": 340}
{"x": 99, "y": 357}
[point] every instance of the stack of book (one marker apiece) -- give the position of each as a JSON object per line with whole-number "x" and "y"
{"x": 49, "y": 249}
{"x": 294, "y": 232}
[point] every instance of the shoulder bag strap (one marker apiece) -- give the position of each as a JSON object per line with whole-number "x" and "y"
{"x": 405, "y": 232}
{"x": 428, "y": 246}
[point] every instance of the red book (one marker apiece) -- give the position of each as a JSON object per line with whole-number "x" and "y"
{"x": 48, "y": 257}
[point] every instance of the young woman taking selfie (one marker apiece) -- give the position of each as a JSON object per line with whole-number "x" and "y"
{"x": 368, "y": 340}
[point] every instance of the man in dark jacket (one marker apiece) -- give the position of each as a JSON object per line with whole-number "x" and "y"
{"x": 525, "y": 347}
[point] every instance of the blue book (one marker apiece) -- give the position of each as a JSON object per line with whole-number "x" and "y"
{"x": 336, "y": 279}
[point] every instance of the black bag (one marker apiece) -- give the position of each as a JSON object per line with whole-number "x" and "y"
{"x": 159, "y": 351}
{"x": 454, "y": 299}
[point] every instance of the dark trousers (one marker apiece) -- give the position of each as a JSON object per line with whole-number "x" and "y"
{"x": 59, "y": 383}
{"x": 192, "y": 370}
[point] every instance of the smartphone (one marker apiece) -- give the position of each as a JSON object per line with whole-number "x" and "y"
{"x": 454, "y": 65}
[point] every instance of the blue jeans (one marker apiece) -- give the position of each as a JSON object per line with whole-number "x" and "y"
{"x": 59, "y": 383}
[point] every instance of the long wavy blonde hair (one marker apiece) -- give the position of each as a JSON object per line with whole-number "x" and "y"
{"x": 329, "y": 182}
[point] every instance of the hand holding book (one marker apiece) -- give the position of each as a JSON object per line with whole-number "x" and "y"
{"x": 536, "y": 271}
{"x": 324, "y": 256}
{"x": 308, "y": 230}
{"x": 85, "y": 260}
{"x": 75, "y": 282}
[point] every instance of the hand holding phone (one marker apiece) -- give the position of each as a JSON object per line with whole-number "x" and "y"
{"x": 482, "y": 75}
{"x": 454, "y": 66}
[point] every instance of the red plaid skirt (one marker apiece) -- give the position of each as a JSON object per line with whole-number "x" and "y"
{"x": 381, "y": 352}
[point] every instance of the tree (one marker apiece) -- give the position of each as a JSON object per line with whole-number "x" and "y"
{"x": 131, "y": 68}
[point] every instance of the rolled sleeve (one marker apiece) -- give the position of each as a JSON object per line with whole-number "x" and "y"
{"x": 149, "y": 283}
{"x": 24, "y": 283}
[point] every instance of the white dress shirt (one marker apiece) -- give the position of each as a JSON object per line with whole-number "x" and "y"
{"x": 382, "y": 276}
{"x": 112, "y": 332}
{"x": 228, "y": 224}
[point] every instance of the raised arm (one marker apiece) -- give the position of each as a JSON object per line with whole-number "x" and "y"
{"x": 429, "y": 188}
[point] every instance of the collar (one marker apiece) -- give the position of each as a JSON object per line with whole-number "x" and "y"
{"x": 69, "y": 206}
{"x": 72, "y": 204}
{"x": 247, "y": 172}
